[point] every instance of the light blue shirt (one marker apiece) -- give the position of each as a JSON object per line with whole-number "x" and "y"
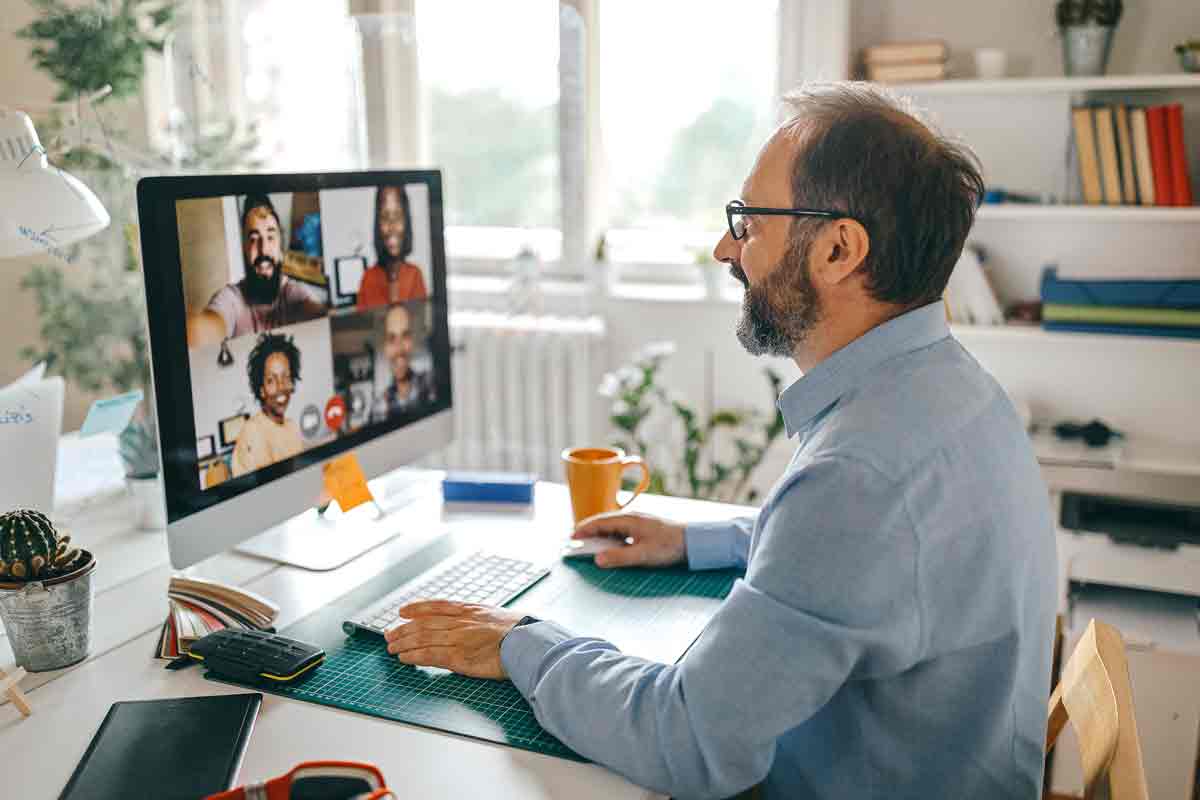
{"x": 892, "y": 634}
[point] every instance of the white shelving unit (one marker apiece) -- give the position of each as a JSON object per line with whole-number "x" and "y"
{"x": 1020, "y": 129}
{"x": 1076, "y": 213}
{"x": 1111, "y": 343}
{"x": 1054, "y": 85}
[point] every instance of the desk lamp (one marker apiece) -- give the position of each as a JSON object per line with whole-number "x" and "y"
{"x": 41, "y": 206}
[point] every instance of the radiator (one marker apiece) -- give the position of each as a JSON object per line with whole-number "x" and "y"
{"x": 525, "y": 388}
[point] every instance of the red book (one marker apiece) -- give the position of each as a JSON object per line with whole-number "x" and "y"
{"x": 1181, "y": 178}
{"x": 1156, "y": 130}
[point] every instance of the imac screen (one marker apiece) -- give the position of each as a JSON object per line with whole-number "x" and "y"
{"x": 309, "y": 318}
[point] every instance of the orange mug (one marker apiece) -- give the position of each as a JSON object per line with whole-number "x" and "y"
{"x": 594, "y": 477}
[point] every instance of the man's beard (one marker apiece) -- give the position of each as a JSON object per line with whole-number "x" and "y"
{"x": 260, "y": 290}
{"x": 778, "y": 315}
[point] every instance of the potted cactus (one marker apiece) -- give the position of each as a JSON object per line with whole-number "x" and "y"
{"x": 139, "y": 452}
{"x": 45, "y": 592}
{"x": 1086, "y": 28}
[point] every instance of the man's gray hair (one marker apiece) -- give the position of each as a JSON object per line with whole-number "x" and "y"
{"x": 867, "y": 152}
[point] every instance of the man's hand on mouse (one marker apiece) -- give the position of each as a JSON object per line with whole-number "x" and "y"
{"x": 652, "y": 542}
{"x": 462, "y": 637}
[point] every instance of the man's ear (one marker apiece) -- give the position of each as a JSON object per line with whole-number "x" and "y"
{"x": 840, "y": 250}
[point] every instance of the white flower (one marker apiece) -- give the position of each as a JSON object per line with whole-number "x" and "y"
{"x": 610, "y": 385}
{"x": 620, "y": 408}
{"x": 628, "y": 375}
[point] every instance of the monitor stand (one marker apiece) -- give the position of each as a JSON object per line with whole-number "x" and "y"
{"x": 322, "y": 541}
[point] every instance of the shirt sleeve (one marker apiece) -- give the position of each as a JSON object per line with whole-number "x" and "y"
{"x": 718, "y": 545}
{"x": 226, "y": 302}
{"x": 829, "y": 596}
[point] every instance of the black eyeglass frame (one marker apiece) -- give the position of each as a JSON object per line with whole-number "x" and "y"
{"x": 738, "y": 208}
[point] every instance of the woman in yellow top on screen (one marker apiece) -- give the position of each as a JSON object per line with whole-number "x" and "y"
{"x": 392, "y": 280}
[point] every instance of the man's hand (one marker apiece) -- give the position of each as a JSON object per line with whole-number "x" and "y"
{"x": 652, "y": 542}
{"x": 462, "y": 637}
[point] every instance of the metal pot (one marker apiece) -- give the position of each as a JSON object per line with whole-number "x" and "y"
{"x": 49, "y": 622}
{"x": 1086, "y": 48}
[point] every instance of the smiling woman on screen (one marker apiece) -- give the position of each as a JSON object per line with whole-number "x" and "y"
{"x": 392, "y": 280}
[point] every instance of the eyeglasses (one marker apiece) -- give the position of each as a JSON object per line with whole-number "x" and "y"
{"x": 736, "y": 209}
{"x": 318, "y": 780}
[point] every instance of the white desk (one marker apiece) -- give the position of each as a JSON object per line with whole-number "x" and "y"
{"x": 131, "y": 578}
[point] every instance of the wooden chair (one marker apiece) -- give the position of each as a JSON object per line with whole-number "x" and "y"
{"x": 1094, "y": 693}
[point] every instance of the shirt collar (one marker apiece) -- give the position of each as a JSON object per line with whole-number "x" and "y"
{"x": 822, "y": 385}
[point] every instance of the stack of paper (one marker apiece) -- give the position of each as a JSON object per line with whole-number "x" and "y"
{"x": 199, "y": 607}
{"x": 31, "y": 413}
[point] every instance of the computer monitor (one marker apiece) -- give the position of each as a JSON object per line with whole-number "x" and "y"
{"x": 263, "y": 372}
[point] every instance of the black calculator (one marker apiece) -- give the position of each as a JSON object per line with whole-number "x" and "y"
{"x": 257, "y": 656}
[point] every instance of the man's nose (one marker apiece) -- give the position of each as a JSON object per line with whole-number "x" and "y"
{"x": 727, "y": 249}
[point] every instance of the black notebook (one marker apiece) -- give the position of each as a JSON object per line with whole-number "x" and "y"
{"x": 186, "y": 747}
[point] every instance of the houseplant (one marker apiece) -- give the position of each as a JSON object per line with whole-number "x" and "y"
{"x": 717, "y": 454}
{"x": 1086, "y": 28}
{"x": 139, "y": 453}
{"x": 45, "y": 592}
{"x": 93, "y": 329}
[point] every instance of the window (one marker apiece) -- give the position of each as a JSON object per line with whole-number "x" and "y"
{"x": 648, "y": 120}
{"x": 489, "y": 86}
{"x": 681, "y": 129}
{"x": 244, "y": 69}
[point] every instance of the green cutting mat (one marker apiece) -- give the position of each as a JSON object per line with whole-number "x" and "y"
{"x": 656, "y": 614}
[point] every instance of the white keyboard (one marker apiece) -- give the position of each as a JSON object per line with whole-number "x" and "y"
{"x": 477, "y": 577}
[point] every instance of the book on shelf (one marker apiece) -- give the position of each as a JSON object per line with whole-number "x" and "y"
{"x": 1122, "y": 315}
{"x": 1160, "y": 161}
{"x": 893, "y": 53}
{"x": 198, "y": 607}
{"x": 1106, "y": 145}
{"x": 1122, "y": 330}
{"x": 1131, "y": 156}
{"x": 1181, "y": 179}
{"x": 902, "y": 73}
{"x": 1129, "y": 186}
{"x": 1089, "y": 160}
{"x": 1141, "y": 156}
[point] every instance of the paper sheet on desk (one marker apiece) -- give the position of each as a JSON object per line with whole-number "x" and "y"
{"x": 31, "y": 412}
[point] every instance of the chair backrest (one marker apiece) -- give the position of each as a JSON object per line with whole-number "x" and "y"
{"x": 1095, "y": 694}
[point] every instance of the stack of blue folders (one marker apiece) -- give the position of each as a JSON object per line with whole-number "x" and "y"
{"x": 1130, "y": 307}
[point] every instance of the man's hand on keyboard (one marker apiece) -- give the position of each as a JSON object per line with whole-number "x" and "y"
{"x": 462, "y": 637}
{"x": 653, "y": 542}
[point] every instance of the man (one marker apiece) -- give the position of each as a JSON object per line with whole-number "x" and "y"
{"x": 265, "y": 298}
{"x": 409, "y": 388}
{"x": 268, "y": 436}
{"x": 892, "y": 635}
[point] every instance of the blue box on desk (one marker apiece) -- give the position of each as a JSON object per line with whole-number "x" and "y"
{"x": 488, "y": 487}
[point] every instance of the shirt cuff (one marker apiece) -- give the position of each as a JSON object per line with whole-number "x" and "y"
{"x": 523, "y": 649}
{"x": 709, "y": 545}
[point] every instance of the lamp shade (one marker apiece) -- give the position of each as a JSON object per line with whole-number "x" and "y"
{"x": 41, "y": 206}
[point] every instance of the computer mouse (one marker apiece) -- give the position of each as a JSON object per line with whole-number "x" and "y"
{"x": 587, "y": 548}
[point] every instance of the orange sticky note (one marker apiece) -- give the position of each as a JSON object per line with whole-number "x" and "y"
{"x": 344, "y": 479}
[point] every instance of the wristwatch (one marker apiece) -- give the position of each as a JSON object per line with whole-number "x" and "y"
{"x": 525, "y": 620}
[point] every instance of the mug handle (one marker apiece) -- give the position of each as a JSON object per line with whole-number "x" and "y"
{"x": 636, "y": 461}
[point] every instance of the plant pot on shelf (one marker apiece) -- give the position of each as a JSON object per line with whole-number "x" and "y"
{"x": 1086, "y": 48}
{"x": 45, "y": 593}
{"x": 1086, "y": 29}
{"x": 139, "y": 453}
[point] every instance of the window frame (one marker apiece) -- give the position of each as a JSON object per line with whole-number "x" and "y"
{"x": 580, "y": 157}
